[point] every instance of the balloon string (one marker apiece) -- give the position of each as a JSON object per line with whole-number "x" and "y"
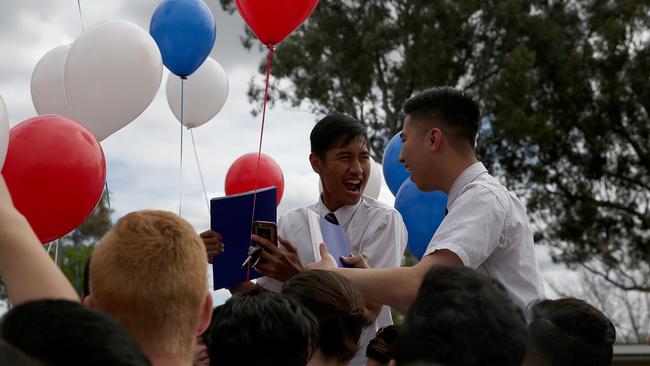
{"x": 108, "y": 196}
{"x": 259, "y": 149}
{"x": 81, "y": 18}
{"x": 196, "y": 156}
{"x": 180, "y": 193}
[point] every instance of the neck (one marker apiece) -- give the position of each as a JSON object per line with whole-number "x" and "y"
{"x": 330, "y": 202}
{"x": 162, "y": 359}
{"x": 318, "y": 359}
{"x": 456, "y": 167}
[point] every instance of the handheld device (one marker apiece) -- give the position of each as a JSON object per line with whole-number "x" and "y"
{"x": 267, "y": 230}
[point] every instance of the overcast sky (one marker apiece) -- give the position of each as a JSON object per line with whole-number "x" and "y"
{"x": 143, "y": 158}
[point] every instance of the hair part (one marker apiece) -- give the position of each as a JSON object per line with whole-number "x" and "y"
{"x": 337, "y": 305}
{"x": 469, "y": 318}
{"x": 261, "y": 328}
{"x": 570, "y": 331}
{"x": 63, "y": 332}
{"x": 335, "y": 129}
{"x": 458, "y": 112}
{"x": 149, "y": 271}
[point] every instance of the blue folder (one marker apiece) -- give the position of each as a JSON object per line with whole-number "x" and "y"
{"x": 336, "y": 240}
{"x": 230, "y": 216}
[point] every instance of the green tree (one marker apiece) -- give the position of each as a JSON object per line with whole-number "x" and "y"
{"x": 564, "y": 89}
{"x": 77, "y": 246}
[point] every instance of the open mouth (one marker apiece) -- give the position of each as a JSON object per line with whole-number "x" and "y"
{"x": 353, "y": 185}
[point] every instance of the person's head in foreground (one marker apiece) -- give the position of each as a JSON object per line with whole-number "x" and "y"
{"x": 380, "y": 348}
{"x": 340, "y": 155}
{"x": 61, "y": 332}
{"x": 260, "y": 328}
{"x": 149, "y": 272}
{"x": 10, "y": 355}
{"x": 569, "y": 332}
{"x": 339, "y": 308}
{"x": 439, "y": 136}
{"x": 461, "y": 318}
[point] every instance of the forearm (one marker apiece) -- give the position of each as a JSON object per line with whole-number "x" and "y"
{"x": 395, "y": 287}
{"x": 26, "y": 269}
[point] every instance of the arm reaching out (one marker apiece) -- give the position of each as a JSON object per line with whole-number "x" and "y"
{"x": 395, "y": 287}
{"x": 28, "y": 272}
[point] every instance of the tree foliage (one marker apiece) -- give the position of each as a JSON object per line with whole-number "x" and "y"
{"x": 564, "y": 88}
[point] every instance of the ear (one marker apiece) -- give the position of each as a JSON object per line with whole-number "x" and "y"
{"x": 206, "y": 315}
{"x": 434, "y": 138}
{"x": 88, "y": 301}
{"x": 315, "y": 162}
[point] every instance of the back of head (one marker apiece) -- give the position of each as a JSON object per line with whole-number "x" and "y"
{"x": 337, "y": 305}
{"x": 455, "y": 109}
{"x": 61, "y": 332}
{"x": 571, "y": 332}
{"x": 461, "y": 318}
{"x": 261, "y": 328}
{"x": 335, "y": 128}
{"x": 380, "y": 348}
{"x": 149, "y": 271}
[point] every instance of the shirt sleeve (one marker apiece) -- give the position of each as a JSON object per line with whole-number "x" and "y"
{"x": 386, "y": 241}
{"x": 473, "y": 227}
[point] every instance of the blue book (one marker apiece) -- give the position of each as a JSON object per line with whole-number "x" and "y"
{"x": 336, "y": 239}
{"x": 230, "y": 216}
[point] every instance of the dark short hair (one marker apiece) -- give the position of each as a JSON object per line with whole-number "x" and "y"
{"x": 337, "y": 305}
{"x": 569, "y": 331}
{"x": 453, "y": 107}
{"x": 335, "y": 128}
{"x": 460, "y": 317}
{"x": 10, "y": 355}
{"x": 380, "y": 348}
{"x": 62, "y": 332}
{"x": 261, "y": 328}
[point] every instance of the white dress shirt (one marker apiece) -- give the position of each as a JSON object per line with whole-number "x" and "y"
{"x": 375, "y": 230}
{"x": 487, "y": 228}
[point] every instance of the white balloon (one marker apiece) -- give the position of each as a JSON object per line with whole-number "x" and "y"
{"x": 374, "y": 181}
{"x": 48, "y": 93}
{"x": 112, "y": 74}
{"x": 4, "y": 132}
{"x": 204, "y": 94}
{"x": 373, "y": 187}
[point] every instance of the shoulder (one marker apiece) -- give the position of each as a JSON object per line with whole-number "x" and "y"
{"x": 487, "y": 190}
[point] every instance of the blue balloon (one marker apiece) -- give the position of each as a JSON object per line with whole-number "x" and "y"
{"x": 422, "y": 213}
{"x": 394, "y": 172}
{"x": 185, "y": 31}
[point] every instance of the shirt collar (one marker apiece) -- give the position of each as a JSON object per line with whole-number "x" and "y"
{"x": 343, "y": 214}
{"x": 466, "y": 177}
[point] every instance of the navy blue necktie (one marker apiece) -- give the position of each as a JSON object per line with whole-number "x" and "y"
{"x": 332, "y": 218}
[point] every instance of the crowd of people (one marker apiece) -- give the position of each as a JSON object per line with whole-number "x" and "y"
{"x": 475, "y": 298}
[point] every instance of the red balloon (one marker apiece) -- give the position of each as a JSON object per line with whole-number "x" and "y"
{"x": 273, "y": 20}
{"x": 55, "y": 171}
{"x": 241, "y": 175}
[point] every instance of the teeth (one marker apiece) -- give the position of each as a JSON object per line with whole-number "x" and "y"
{"x": 358, "y": 181}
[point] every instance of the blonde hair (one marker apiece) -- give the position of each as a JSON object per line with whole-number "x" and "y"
{"x": 150, "y": 272}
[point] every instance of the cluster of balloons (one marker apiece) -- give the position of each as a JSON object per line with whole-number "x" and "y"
{"x": 84, "y": 92}
{"x": 197, "y": 87}
{"x": 104, "y": 80}
{"x": 422, "y": 211}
